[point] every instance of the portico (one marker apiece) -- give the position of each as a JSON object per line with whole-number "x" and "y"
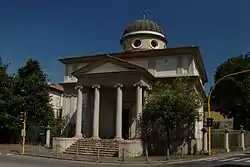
{"x": 114, "y": 104}
{"x": 139, "y": 89}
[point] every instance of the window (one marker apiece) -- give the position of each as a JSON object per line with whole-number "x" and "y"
{"x": 137, "y": 43}
{"x": 154, "y": 44}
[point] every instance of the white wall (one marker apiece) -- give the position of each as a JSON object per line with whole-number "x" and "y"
{"x": 69, "y": 68}
{"x": 168, "y": 66}
{"x": 158, "y": 66}
{"x": 56, "y": 100}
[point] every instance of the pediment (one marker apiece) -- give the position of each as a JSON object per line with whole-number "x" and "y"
{"x": 108, "y": 64}
{"x": 107, "y": 67}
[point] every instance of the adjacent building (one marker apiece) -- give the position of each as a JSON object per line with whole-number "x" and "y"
{"x": 56, "y": 97}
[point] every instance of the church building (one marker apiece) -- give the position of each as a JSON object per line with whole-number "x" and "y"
{"x": 104, "y": 94}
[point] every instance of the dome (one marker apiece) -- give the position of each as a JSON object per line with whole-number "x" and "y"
{"x": 144, "y": 26}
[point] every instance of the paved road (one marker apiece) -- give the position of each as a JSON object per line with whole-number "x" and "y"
{"x": 242, "y": 160}
{"x": 19, "y": 161}
{"x": 26, "y": 161}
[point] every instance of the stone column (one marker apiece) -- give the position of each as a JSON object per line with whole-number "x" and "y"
{"x": 139, "y": 99}
{"x": 242, "y": 138}
{"x": 79, "y": 113}
{"x": 47, "y": 144}
{"x": 204, "y": 143}
{"x": 118, "y": 135}
{"x": 226, "y": 139}
{"x": 96, "y": 112}
{"x": 139, "y": 104}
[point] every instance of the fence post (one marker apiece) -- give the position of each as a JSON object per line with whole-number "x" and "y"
{"x": 123, "y": 154}
{"x": 98, "y": 152}
{"x": 168, "y": 153}
{"x": 189, "y": 142}
{"x": 204, "y": 143}
{"x": 242, "y": 138}
{"x": 226, "y": 139}
{"x": 77, "y": 147}
{"x": 48, "y": 128}
{"x": 57, "y": 151}
{"x": 146, "y": 151}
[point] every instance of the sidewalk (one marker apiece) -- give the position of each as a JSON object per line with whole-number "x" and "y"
{"x": 39, "y": 151}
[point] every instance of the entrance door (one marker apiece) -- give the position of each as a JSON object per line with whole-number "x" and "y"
{"x": 125, "y": 124}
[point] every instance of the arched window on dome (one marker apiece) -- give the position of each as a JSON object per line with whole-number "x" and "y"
{"x": 136, "y": 43}
{"x": 154, "y": 44}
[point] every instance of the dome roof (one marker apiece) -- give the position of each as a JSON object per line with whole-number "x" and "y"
{"x": 143, "y": 25}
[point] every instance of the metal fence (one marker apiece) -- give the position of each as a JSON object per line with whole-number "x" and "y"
{"x": 247, "y": 139}
{"x": 217, "y": 140}
{"x": 234, "y": 140}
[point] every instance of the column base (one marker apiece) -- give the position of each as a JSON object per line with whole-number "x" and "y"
{"x": 96, "y": 138}
{"x": 78, "y": 136}
{"x": 118, "y": 138}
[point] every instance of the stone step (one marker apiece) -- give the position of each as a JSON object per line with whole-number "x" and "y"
{"x": 97, "y": 142}
{"x": 92, "y": 149}
{"x": 106, "y": 147}
{"x": 94, "y": 146}
{"x": 100, "y": 148}
{"x": 92, "y": 153}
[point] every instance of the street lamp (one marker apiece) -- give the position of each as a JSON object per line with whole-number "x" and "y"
{"x": 209, "y": 101}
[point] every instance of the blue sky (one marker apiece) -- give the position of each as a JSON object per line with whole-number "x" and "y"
{"x": 51, "y": 29}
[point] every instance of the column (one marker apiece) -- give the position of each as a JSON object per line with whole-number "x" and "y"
{"x": 119, "y": 112}
{"x": 47, "y": 136}
{"x": 204, "y": 143}
{"x": 139, "y": 104}
{"x": 79, "y": 113}
{"x": 242, "y": 136}
{"x": 96, "y": 112}
{"x": 139, "y": 99}
{"x": 226, "y": 139}
{"x": 146, "y": 94}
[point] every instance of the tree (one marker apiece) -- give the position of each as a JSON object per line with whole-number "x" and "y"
{"x": 34, "y": 95}
{"x": 232, "y": 94}
{"x": 9, "y": 123}
{"x": 170, "y": 106}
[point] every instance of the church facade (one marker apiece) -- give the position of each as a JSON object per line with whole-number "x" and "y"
{"x": 104, "y": 94}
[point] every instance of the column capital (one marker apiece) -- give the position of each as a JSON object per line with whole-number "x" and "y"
{"x": 118, "y": 85}
{"x": 96, "y": 86}
{"x": 139, "y": 84}
{"x": 79, "y": 87}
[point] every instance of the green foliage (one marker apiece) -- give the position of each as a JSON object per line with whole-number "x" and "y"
{"x": 232, "y": 94}
{"x": 9, "y": 124}
{"x": 61, "y": 123}
{"x": 34, "y": 94}
{"x": 26, "y": 91}
{"x": 169, "y": 106}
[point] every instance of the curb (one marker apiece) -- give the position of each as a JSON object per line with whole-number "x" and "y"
{"x": 92, "y": 161}
{"x": 117, "y": 162}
